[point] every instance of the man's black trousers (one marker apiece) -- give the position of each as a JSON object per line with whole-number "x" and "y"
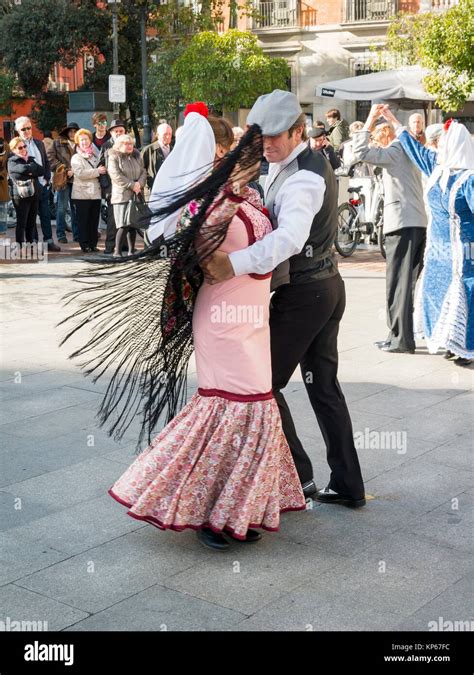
{"x": 304, "y": 324}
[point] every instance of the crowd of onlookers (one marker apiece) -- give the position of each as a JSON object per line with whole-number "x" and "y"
{"x": 81, "y": 170}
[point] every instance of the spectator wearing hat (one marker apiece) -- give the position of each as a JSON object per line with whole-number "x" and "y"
{"x": 117, "y": 128}
{"x": 60, "y": 156}
{"x": 100, "y": 135}
{"x": 318, "y": 142}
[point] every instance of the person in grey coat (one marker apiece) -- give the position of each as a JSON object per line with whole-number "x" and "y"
{"x": 404, "y": 227}
{"x": 128, "y": 176}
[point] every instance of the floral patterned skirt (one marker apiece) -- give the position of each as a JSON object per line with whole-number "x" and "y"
{"x": 220, "y": 464}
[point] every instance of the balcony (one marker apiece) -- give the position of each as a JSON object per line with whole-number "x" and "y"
{"x": 271, "y": 14}
{"x": 357, "y": 11}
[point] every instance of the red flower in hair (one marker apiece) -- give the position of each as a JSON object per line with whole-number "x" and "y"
{"x": 448, "y": 123}
{"x": 198, "y": 107}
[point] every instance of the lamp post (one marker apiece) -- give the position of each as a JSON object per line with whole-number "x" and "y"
{"x": 116, "y": 106}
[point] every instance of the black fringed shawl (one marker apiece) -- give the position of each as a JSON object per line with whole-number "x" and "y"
{"x": 139, "y": 308}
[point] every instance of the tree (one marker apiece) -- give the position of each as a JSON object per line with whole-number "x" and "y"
{"x": 228, "y": 70}
{"x": 50, "y": 112}
{"x": 7, "y": 82}
{"x": 441, "y": 42}
{"x": 39, "y": 33}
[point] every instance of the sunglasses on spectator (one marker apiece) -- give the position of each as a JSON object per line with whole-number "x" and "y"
{"x": 102, "y": 123}
{"x": 20, "y": 147}
{"x": 26, "y": 129}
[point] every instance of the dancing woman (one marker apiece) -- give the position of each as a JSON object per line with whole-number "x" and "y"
{"x": 444, "y": 308}
{"x": 222, "y": 464}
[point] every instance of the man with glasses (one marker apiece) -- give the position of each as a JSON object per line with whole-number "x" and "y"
{"x": 100, "y": 135}
{"x": 37, "y": 151}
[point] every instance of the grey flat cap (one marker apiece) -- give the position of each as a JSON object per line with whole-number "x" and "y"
{"x": 316, "y": 132}
{"x": 275, "y": 112}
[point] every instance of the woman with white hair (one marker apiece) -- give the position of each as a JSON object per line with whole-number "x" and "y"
{"x": 128, "y": 175}
{"x": 444, "y": 311}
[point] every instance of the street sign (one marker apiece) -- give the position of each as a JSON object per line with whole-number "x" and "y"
{"x": 117, "y": 89}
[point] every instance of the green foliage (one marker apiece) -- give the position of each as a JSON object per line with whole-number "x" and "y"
{"x": 7, "y": 82}
{"x": 50, "y": 113}
{"x": 39, "y": 33}
{"x": 228, "y": 70}
{"x": 442, "y": 42}
{"x": 163, "y": 87}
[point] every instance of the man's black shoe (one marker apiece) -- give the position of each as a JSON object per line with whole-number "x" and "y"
{"x": 309, "y": 488}
{"x": 108, "y": 252}
{"x": 396, "y": 350}
{"x": 460, "y": 361}
{"x": 62, "y": 240}
{"x": 382, "y": 343}
{"x": 53, "y": 247}
{"x": 212, "y": 540}
{"x": 328, "y": 496}
{"x": 252, "y": 536}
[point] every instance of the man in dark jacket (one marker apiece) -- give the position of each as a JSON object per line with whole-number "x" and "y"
{"x": 61, "y": 153}
{"x": 155, "y": 154}
{"x": 117, "y": 128}
{"x": 319, "y": 143}
{"x": 37, "y": 151}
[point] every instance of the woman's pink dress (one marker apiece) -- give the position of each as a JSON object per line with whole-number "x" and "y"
{"x": 223, "y": 462}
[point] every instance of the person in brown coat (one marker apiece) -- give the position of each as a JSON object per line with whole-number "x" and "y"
{"x": 61, "y": 153}
{"x": 128, "y": 175}
{"x": 4, "y": 195}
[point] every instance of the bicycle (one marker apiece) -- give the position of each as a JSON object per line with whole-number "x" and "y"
{"x": 361, "y": 216}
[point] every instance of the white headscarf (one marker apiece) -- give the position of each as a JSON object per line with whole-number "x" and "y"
{"x": 189, "y": 162}
{"x": 455, "y": 152}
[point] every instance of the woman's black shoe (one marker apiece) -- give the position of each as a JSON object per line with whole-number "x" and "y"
{"x": 212, "y": 540}
{"x": 252, "y": 536}
{"x": 462, "y": 362}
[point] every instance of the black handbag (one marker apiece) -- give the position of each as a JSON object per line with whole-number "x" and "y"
{"x": 137, "y": 213}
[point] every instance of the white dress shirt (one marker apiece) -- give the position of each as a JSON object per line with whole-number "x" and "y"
{"x": 296, "y": 203}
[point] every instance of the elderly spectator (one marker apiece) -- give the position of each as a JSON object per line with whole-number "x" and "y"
{"x": 100, "y": 135}
{"x": 433, "y": 133}
{"x": 404, "y": 227}
{"x": 4, "y": 196}
{"x": 128, "y": 176}
{"x": 86, "y": 194}
{"x": 37, "y": 150}
{"x": 117, "y": 128}
{"x": 22, "y": 167}
{"x": 238, "y": 133}
{"x": 338, "y": 128}
{"x": 60, "y": 157}
{"x": 319, "y": 143}
{"x": 416, "y": 126}
{"x": 154, "y": 155}
{"x": 350, "y": 165}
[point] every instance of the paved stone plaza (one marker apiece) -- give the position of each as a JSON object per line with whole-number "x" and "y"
{"x": 71, "y": 557}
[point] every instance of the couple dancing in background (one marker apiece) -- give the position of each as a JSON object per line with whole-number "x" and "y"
{"x": 222, "y": 465}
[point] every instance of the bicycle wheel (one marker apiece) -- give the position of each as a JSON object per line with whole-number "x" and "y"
{"x": 346, "y": 238}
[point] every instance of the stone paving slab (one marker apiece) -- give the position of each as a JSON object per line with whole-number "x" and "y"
{"x": 73, "y": 556}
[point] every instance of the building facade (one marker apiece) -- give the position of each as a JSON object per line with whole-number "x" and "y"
{"x": 325, "y": 40}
